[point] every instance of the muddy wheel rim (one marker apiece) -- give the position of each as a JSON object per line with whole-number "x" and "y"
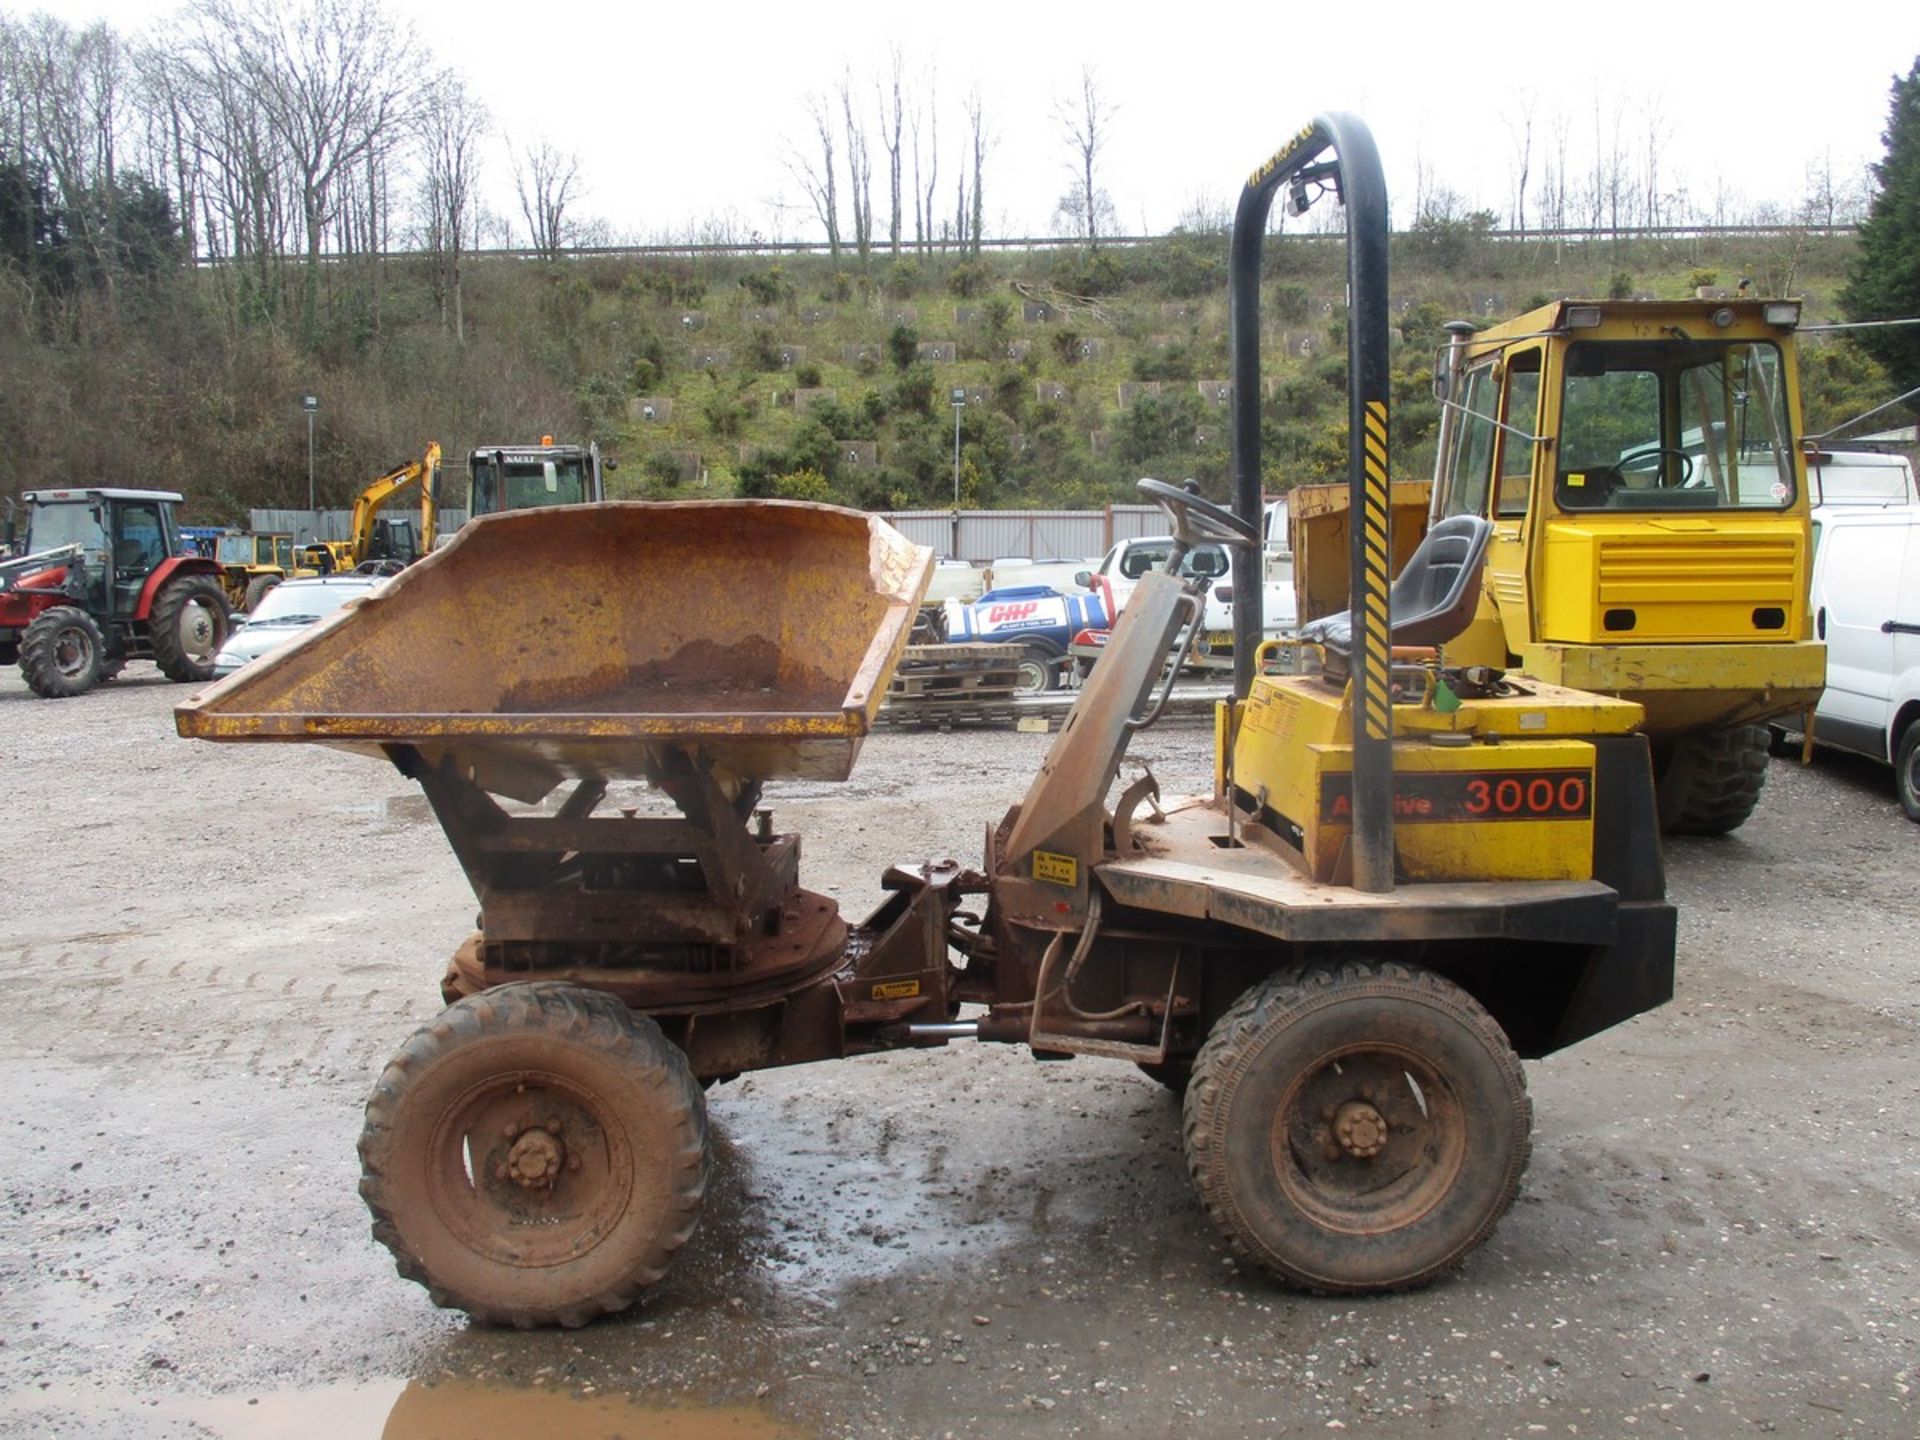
{"x": 199, "y": 629}
{"x": 1033, "y": 676}
{"x": 72, "y": 652}
{"x": 1369, "y": 1139}
{"x": 527, "y": 1169}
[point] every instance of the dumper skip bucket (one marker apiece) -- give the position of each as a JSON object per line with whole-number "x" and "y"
{"x": 756, "y": 637}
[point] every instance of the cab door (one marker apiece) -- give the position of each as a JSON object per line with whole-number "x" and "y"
{"x": 1489, "y": 472}
{"x": 1514, "y": 457}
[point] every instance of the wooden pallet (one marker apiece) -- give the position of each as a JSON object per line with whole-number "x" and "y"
{"x": 942, "y": 684}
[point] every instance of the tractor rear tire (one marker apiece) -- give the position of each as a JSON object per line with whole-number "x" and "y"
{"x": 189, "y": 622}
{"x": 257, "y": 589}
{"x": 1713, "y": 780}
{"x": 61, "y": 653}
{"x": 1357, "y": 1129}
{"x": 535, "y": 1156}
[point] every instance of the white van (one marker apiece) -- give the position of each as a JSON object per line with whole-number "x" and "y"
{"x": 1866, "y": 606}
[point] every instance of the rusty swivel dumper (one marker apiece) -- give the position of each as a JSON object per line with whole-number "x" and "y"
{"x": 1405, "y": 879}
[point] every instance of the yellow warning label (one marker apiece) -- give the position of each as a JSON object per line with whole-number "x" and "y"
{"x": 1055, "y": 869}
{"x": 896, "y": 989}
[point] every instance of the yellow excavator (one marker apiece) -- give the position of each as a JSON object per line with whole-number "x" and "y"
{"x": 382, "y": 543}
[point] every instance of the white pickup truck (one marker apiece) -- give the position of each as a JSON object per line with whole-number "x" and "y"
{"x": 1120, "y": 570}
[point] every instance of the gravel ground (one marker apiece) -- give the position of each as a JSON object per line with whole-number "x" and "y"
{"x": 212, "y": 949}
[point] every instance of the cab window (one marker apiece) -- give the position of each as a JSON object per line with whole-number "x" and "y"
{"x": 1470, "y": 465}
{"x": 1516, "y": 451}
{"x": 1695, "y": 425}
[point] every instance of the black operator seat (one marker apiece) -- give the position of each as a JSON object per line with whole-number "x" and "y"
{"x": 1434, "y": 598}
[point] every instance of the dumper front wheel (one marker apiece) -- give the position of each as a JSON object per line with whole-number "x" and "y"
{"x": 1357, "y": 1128}
{"x": 536, "y": 1155}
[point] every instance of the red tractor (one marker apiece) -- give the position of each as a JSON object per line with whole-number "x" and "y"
{"x": 103, "y": 578}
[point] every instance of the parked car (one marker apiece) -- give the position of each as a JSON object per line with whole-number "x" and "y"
{"x": 285, "y": 612}
{"x": 1866, "y": 606}
{"x": 1122, "y": 566}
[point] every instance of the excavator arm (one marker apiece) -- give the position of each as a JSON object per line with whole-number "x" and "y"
{"x": 366, "y": 506}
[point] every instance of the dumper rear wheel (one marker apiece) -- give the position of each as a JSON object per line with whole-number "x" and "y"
{"x": 536, "y": 1155}
{"x": 1359, "y": 1128}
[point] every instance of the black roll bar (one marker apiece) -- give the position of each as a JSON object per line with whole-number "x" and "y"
{"x": 1354, "y": 171}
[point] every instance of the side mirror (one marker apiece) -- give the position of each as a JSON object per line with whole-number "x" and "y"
{"x": 1083, "y": 579}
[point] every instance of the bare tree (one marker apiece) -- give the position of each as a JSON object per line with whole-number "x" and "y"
{"x": 923, "y": 187}
{"x": 336, "y": 82}
{"x": 859, "y": 170}
{"x": 451, "y": 131}
{"x": 819, "y": 178}
{"x": 68, "y": 84}
{"x": 982, "y": 143}
{"x": 892, "y": 121}
{"x": 1520, "y": 131}
{"x": 546, "y": 180}
{"x": 1656, "y": 135}
{"x": 166, "y": 139}
{"x": 1085, "y": 118}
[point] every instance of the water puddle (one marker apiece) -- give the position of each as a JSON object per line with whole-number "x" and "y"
{"x": 419, "y": 1410}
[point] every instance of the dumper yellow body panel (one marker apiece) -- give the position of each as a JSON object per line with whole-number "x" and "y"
{"x": 757, "y": 636}
{"x": 1499, "y": 789}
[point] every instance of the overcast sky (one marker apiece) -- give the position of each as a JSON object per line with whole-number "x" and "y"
{"x": 681, "y": 112}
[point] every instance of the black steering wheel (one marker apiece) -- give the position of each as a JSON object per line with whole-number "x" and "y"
{"x": 1197, "y": 519}
{"x": 1655, "y": 452}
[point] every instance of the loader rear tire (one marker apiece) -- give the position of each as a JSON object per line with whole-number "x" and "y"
{"x": 535, "y": 1156}
{"x": 1712, "y": 781}
{"x": 189, "y": 622}
{"x": 257, "y": 589}
{"x": 61, "y": 653}
{"x": 1358, "y": 1128}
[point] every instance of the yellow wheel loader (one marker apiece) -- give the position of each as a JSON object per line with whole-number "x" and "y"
{"x": 1640, "y": 464}
{"x": 1409, "y": 876}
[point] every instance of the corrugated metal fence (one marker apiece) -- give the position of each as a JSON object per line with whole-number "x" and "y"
{"x": 976, "y": 535}
{"x": 305, "y": 525}
{"x": 983, "y": 535}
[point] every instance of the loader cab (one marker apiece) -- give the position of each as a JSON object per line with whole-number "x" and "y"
{"x": 530, "y": 477}
{"x": 1639, "y": 463}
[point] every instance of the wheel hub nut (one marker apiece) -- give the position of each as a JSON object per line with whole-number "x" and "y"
{"x": 1360, "y": 1129}
{"x": 535, "y": 1160}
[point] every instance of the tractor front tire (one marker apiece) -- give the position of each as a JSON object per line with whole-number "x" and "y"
{"x": 189, "y": 622}
{"x": 61, "y": 653}
{"x": 535, "y": 1156}
{"x": 1359, "y": 1128}
{"x": 1712, "y": 781}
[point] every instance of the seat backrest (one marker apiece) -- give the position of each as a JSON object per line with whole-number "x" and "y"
{"x": 129, "y": 555}
{"x": 1434, "y": 598}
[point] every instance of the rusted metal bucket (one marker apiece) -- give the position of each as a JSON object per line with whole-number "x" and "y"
{"x": 757, "y": 637}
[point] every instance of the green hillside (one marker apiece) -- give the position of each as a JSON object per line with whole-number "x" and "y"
{"x": 723, "y": 376}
